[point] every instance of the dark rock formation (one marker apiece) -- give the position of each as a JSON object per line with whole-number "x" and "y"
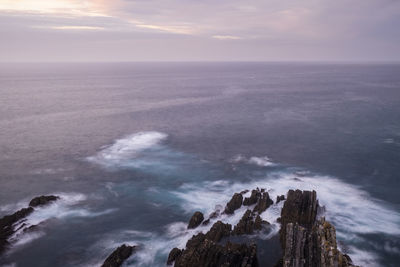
{"x": 42, "y": 200}
{"x": 249, "y": 223}
{"x": 300, "y": 207}
{"x": 254, "y": 197}
{"x": 263, "y": 203}
{"x": 196, "y": 220}
{"x": 280, "y": 198}
{"x": 210, "y": 254}
{"x": 306, "y": 241}
{"x": 218, "y": 231}
{"x": 173, "y": 255}
{"x": 234, "y": 203}
{"x": 7, "y": 223}
{"x": 119, "y": 256}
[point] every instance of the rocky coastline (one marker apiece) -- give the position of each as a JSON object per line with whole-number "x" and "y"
{"x": 306, "y": 238}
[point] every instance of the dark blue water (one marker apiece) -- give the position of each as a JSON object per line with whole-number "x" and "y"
{"x": 134, "y": 149}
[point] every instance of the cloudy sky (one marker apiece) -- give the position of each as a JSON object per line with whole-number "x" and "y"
{"x": 197, "y": 30}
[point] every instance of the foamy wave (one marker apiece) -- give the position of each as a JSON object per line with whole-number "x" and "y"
{"x": 65, "y": 207}
{"x": 259, "y": 161}
{"x": 127, "y": 148}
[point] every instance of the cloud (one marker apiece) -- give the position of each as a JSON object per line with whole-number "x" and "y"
{"x": 267, "y": 29}
{"x": 226, "y": 37}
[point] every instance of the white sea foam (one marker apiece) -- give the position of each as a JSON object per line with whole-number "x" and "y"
{"x": 65, "y": 207}
{"x": 259, "y": 161}
{"x": 128, "y": 147}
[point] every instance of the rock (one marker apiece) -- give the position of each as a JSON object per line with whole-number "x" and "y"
{"x": 248, "y": 224}
{"x": 263, "y": 204}
{"x": 218, "y": 231}
{"x": 196, "y": 220}
{"x": 8, "y": 222}
{"x": 306, "y": 241}
{"x": 234, "y": 203}
{"x": 253, "y": 199}
{"x": 173, "y": 255}
{"x": 280, "y": 198}
{"x": 210, "y": 254}
{"x": 300, "y": 207}
{"x": 7, "y": 225}
{"x": 42, "y": 200}
{"x": 206, "y": 222}
{"x": 119, "y": 256}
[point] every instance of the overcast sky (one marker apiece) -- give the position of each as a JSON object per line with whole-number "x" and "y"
{"x": 197, "y": 30}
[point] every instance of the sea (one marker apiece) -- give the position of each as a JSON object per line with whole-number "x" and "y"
{"x": 133, "y": 149}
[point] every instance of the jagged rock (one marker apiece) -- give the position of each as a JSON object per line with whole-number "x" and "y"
{"x": 258, "y": 222}
{"x": 6, "y": 225}
{"x": 307, "y": 242}
{"x": 173, "y": 255}
{"x": 254, "y": 197}
{"x": 248, "y": 224}
{"x": 119, "y": 256}
{"x": 210, "y": 254}
{"x": 42, "y": 200}
{"x": 263, "y": 203}
{"x": 245, "y": 225}
{"x": 206, "y": 222}
{"x": 196, "y": 220}
{"x": 218, "y": 231}
{"x": 234, "y": 203}
{"x": 300, "y": 207}
{"x": 280, "y": 198}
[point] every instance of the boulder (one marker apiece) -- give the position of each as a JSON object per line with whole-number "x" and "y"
{"x": 196, "y": 220}
{"x": 218, "y": 231}
{"x": 118, "y": 256}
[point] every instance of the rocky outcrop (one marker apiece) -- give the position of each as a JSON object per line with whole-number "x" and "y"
{"x": 300, "y": 207}
{"x": 308, "y": 242}
{"x": 263, "y": 203}
{"x": 8, "y": 222}
{"x": 42, "y": 200}
{"x": 249, "y": 223}
{"x": 173, "y": 255}
{"x": 234, "y": 204}
{"x": 280, "y": 198}
{"x": 305, "y": 241}
{"x": 118, "y": 256}
{"x": 196, "y": 220}
{"x": 208, "y": 253}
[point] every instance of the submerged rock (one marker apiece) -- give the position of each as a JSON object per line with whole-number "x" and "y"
{"x": 234, "y": 203}
{"x": 118, "y": 256}
{"x": 42, "y": 200}
{"x": 196, "y": 220}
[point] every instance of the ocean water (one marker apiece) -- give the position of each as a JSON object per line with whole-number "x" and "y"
{"x": 134, "y": 149}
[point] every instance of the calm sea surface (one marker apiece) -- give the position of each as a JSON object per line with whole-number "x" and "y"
{"x": 135, "y": 149}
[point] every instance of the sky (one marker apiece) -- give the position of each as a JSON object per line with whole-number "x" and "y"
{"x": 199, "y": 30}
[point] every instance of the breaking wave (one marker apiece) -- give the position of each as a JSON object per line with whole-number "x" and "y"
{"x": 128, "y": 148}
